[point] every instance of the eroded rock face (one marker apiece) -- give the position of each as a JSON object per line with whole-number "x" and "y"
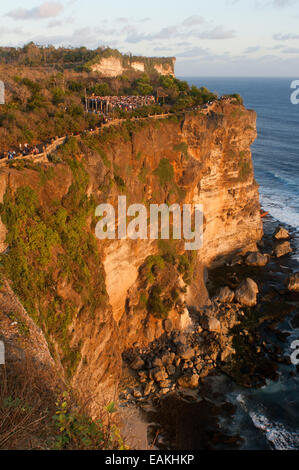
{"x": 115, "y": 66}
{"x": 246, "y": 294}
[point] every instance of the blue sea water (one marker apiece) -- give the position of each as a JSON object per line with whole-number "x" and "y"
{"x": 268, "y": 418}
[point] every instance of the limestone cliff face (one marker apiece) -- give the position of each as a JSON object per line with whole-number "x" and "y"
{"x": 109, "y": 67}
{"x": 116, "y": 66}
{"x": 209, "y": 152}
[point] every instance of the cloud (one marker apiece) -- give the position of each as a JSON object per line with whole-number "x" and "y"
{"x": 252, "y": 49}
{"x": 193, "y": 20}
{"x": 291, "y": 50}
{"x": 45, "y": 10}
{"x": 282, "y": 3}
{"x": 216, "y": 33}
{"x": 165, "y": 33}
{"x": 285, "y": 37}
{"x": 194, "y": 52}
{"x": 272, "y": 3}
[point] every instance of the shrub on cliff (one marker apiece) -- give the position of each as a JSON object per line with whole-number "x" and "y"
{"x": 49, "y": 244}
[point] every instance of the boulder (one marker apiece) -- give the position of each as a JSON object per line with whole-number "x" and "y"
{"x": 281, "y": 233}
{"x": 157, "y": 362}
{"x": 168, "y": 358}
{"x": 189, "y": 381}
{"x": 236, "y": 260}
{"x": 293, "y": 282}
{"x": 227, "y": 353}
{"x": 257, "y": 259}
{"x": 282, "y": 249}
{"x": 137, "y": 394}
{"x": 160, "y": 375}
{"x": 168, "y": 327}
{"x": 165, "y": 384}
{"x": 171, "y": 370}
{"x": 225, "y": 295}
{"x": 148, "y": 389}
{"x": 185, "y": 352}
{"x": 246, "y": 294}
{"x": 137, "y": 364}
{"x": 211, "y": 323}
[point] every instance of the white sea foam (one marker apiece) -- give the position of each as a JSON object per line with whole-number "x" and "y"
{"x": 280, "y": 210}
{"x": 275, "y": 433}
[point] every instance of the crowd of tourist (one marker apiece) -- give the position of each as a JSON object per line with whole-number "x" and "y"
{"x": 22, "y": 151}
{"x": 106, "y": 104}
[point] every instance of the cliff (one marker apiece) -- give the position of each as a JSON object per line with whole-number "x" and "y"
{"x": 92, "y": 298}
{"x": 111, "y": 63}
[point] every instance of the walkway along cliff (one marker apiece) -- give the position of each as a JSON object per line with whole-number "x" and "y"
{"x": 89, "y": 297}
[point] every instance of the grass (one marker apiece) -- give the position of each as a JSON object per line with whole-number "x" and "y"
{"x": 23, "y": 328}
{"x": 34, "y": 416}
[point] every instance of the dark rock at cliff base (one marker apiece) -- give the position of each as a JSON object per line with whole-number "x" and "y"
{"x": 281, "y": 233}
{"x": 236, "y": 261}
{"x": 211, "y": 323}
{"x": 293, "y": 282}
{"x": 246, "y": 294}
{"x": 282, "y": 249}
{"x": 137, "y": 364}
{"x": 185, "y": 352}
{"x": 168, "y": 326}
{"x": 295, "y": 321}
{"x": 189, "y": 381}
{"x": 257, "y": 259}
{"x": 225, "y": 295}
{"x": 159, "y": 375}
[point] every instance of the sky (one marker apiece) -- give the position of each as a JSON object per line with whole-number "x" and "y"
{"x": 208, "y": 37}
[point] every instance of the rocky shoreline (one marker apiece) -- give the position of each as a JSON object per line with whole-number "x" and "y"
{"x": 233, "y": 334}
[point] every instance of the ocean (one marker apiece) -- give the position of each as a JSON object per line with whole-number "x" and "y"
{"x": 268, "y": 418}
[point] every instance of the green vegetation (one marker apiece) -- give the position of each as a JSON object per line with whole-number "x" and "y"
{"x": 238, "y": 98}
{"x": 244, "y": 167}
{"x": 35, "y": 417}
{"x": 157, "y": 306}
{"x": 152, "y": 265}
{"x": 42, "y": 240}
{"x": 78, "y": 431}
{"x": 22, "y": 325}
{"x": 165, "y": 172}
{"x": 182, "y": 148}
{"x": 186, "y": 265}
{"x": 161, "y": 291}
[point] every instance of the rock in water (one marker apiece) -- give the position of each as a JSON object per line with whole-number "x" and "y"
{"x": 293, "y": 282}
{"x": 257, "y": 259}
{"x": 246, "y": 294}
{"x": 225, "y": 295}
{"x": 281, "y": 233}
{"x": 282, "y": 249}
